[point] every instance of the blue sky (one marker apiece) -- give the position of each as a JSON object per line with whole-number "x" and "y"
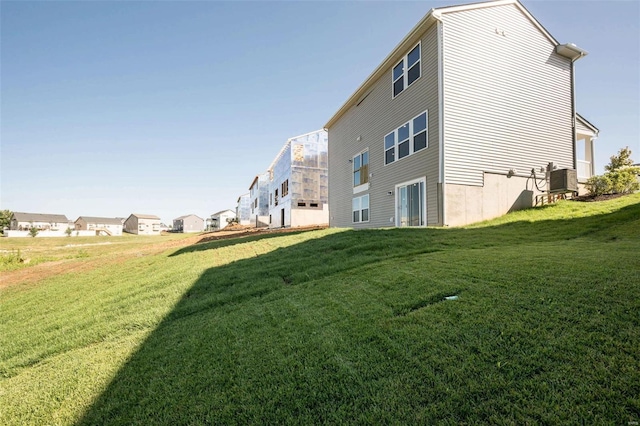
{"x": 171, "y": 108}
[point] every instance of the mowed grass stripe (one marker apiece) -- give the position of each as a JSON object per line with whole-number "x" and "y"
{"x": 339, "y": 326}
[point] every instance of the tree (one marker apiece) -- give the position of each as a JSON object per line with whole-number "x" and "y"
{"x": 33, "y": 231}
{"x": 622, "y": 160}
{"x": 5, "y": 219}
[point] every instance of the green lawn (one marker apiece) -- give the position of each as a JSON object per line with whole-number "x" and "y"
{"x": 342, "y": 326}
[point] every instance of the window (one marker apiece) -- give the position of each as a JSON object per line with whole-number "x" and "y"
{"x": 361, "y": 168}
{"x": 406, "y": 71}
{"x": 275, "y": 197}
{"x": 361, "y": 209}
{"x": 407, "y": 139}
{"x": 285, "y": 188}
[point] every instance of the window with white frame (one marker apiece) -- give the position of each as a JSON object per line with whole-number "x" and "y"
{"x": 361, "y": 209}
{"x": 407, "y": 139}
{"x": 406, "y": 71}
{"x": 361, "y": 168}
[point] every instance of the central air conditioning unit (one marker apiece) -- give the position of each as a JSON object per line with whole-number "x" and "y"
{"x": 563, "y": 180}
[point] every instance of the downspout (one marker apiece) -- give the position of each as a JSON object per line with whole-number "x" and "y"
{"x": 573, "y": 116}
{"x": 573, "y": 109}
{"x": 441, "y": 174}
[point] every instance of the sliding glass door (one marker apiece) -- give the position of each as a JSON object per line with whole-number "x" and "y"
{"x": 411, "y": 203}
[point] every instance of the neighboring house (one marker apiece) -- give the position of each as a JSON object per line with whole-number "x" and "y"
{"x": 188, "y": 223}
{"x": 243, "y": 210}
{"x": 453, "y": 124}
{"x": 142, "y": 224}
{"x": 44, "y": 222}
{"x": 219, "y": 220}
{"x": 259, "y": 201}
{"x": 101, "y": 225}
{"x": 298, "y": 194}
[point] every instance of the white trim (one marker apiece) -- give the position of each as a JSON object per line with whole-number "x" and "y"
{"x": 353, "y": 165}
{"x": 424, "y": 200}
{"x": 405, "y": 73}
{"x": 360, "y": 188}
{"x": 368, "y": 208}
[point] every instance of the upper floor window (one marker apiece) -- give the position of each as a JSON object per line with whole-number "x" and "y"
{"x": 361, "y": 168}
{"x": 406, "y": 71}
{"x": 406, "y": 139}
{"x": 285, "y": 188}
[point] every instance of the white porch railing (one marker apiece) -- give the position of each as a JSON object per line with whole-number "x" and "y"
{"x": 584, "y": 169}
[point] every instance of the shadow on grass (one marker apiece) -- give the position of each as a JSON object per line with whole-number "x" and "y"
{"x": 263, "y": 340}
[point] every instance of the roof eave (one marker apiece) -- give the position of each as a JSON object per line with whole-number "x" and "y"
{"x": 413, "y": 36}
{"x": 571, "y": 51}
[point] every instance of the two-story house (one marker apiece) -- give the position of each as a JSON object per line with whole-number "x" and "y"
{"x": 142, "y": 224}
{"x": 188, "y": 223}
{"x": 298, "y": 194}
{"x": 458, "y": 123}
{"x": 111, "y": 226}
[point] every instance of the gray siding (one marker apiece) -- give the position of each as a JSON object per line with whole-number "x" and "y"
{"x": 377, "y": 115}
{"x": 507, "y": 98}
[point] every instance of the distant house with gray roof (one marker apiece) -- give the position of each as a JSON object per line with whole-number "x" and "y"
{"x": 42, "y": 221}
{"x": 188, "y": 223}
{"x": 111, "y": 226}
{"x": 142, "y": 224}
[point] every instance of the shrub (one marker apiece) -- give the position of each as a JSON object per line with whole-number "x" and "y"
{"x": 599, "y": 185}
{"x": 620, "y": 177}
{"x": 624, "y": 181}
{"x": 33, "y": 231}
{"x": 10, "y": 260}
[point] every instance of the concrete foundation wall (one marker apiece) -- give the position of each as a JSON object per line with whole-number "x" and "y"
{"x": 500, "y": 194}
{"x": 310, "y": 217}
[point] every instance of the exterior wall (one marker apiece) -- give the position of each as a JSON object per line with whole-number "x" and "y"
{"x": 142, "y": 226}
{"x": 191, "y": 223}
{"x": 303, "y": 163}
{"x": 365, "y": 125}
{"x": 82, "y": 225}
{"x": 148, "y": 226}
{"x": 507, "y": 98}
{"x": 310, "y": 216}
{"x": 499, "y": 195}
{"x": 259, "y": 201}
{"x": 54, "y": 226}
{"x": 131, "y": 225}
{"x": 243, "y": 210}
{"x": 221, "y": 221}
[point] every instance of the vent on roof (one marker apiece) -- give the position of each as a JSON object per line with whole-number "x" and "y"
{"x": 563, "y": 180}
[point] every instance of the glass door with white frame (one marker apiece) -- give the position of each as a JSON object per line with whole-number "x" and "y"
{"x": 410, "y": 203}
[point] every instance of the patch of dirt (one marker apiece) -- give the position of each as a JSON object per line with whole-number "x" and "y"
{"x": 241, "y": 231}
{"x": 589, "y": 198}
